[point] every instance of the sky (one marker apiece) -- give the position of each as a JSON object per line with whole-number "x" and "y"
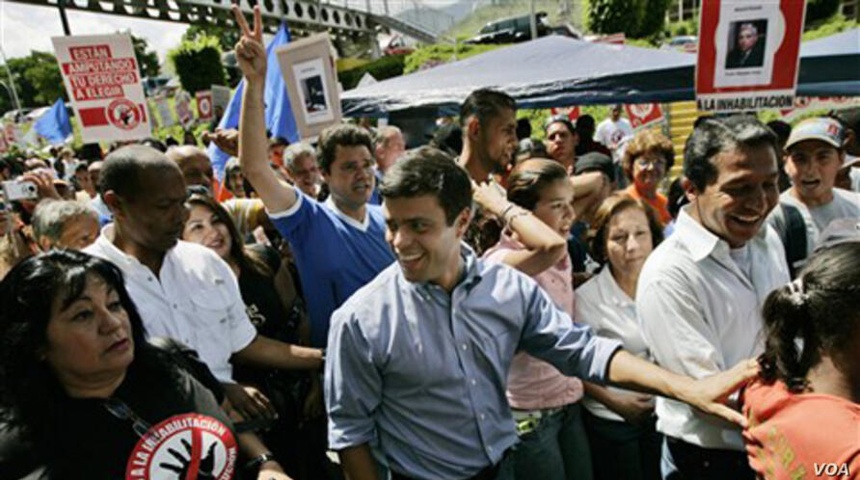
{"x": 24, "y": 27}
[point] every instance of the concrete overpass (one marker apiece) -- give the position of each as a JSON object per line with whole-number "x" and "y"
{"x": 302, "y": 16}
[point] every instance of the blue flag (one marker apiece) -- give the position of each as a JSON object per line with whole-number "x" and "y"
{"x": 279, "y": 113}
{"x": 54, "y": 124}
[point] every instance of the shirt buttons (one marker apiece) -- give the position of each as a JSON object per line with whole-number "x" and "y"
{"x": 483, "y": 416}
{"x": 490, "y": 449}
{"x": 474, "y": 382}
{"x": 465, "y": 347}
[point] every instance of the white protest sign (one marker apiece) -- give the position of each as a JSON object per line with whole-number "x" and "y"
{"x": 101, "y": 75}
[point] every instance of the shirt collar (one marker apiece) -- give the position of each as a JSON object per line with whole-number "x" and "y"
{"x": 363, "y": 225}
{"x": 470, "y": 276}
{"x": 613, "y": 290}
{"x": 105, "y": 244}
{"x": 698, "y": 239}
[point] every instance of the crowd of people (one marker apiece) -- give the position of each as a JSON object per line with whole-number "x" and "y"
{"x": 488, "y": 306}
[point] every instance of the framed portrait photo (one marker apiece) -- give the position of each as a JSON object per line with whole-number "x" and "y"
{"x": 308, "y": 70}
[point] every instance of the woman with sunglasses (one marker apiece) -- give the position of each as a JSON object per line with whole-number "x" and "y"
{"x": 647, "y": 158}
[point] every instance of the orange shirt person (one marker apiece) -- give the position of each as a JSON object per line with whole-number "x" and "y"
{"x": 647, "y": 158}
{"x": 803, "y": 414}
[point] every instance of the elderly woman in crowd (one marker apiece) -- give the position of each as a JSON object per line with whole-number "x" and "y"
{"x": 65, "y": 224}
{"x": 803, "y": 413}
{"x": 620, "y": 424}
{"x": 646, "y": 160}
{"x": 82, "y": 393}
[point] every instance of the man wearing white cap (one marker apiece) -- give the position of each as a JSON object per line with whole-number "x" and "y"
{"x": 814, "y": 155}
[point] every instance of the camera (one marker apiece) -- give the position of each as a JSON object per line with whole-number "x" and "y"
{"x": 19, "y": 190}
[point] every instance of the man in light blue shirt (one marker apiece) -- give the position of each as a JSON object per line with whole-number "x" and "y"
{"x": 419, "y": 357}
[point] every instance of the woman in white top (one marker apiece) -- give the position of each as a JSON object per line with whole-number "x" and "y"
{"x": 620, "y": 423}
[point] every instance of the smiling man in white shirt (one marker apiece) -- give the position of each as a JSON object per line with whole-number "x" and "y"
{"x": 701, "y": 290}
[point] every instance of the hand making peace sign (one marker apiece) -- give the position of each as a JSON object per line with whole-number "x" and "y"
{"x": 250, "y": 52}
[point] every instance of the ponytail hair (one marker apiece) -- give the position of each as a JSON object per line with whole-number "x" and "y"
{"x": 817, "y": 314}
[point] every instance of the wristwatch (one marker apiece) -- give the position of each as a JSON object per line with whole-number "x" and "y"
{"x": 259, "y": 460}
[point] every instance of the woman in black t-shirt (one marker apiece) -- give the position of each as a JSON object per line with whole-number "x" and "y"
{"x": 83, "y": 395}
{"x": 268, "y": 288}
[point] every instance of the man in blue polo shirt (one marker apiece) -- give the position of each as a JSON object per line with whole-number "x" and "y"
{"x": 339, "y": 245}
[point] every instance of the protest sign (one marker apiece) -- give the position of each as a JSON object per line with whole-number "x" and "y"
{"x": 748, "y": 54}
{"x": 572, "y": 112}
{"x": 164, "y": 113}
{"x": 101, "y": 76}
{"x": 220, "y": 99}
{"x": 805, "y": 104}
{"x": 643, "y": 114}
{"x": 204, "y": 105}
{"x": 308, "y": 71}
{"x": 182, "y": 104}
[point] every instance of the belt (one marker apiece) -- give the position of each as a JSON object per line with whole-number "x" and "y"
{"x": 528, "y": 420}
{"x": 520, "y": 415}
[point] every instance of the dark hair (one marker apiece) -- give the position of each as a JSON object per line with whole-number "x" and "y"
{"x": 121, "y": 169}
{"x": 247, "y": 259}
{"x": 819, "y": 313}
{"x": 430, "y": 171}
{"x": 713, "y": 136}
{"x": 485, "y": 104}
{"x": 676, "y": 197}
{"x": 781, "y": 129}
{"x": 524, "y": 128}
{"x": 29, "y": 390}
{"x": 530, "y": 177}
{"x": 563, "y": 119}
{"x": 610, "y": 207}
{"x": 154, "y": 143}
{"x": 647, "y": 142}
{"x": 583, "y": 123}
{"x": 344, "y": 135}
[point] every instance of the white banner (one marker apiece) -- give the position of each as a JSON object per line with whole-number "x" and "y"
{"x": 101, "y": 75}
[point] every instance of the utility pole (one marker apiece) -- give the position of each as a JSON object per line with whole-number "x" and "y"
{"x": 61, "y": 4}
{"x": 533, "y": 21}
{"x": 12, "y": 89}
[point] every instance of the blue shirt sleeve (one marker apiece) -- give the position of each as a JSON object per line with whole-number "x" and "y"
{"x": 353, "y": 385}
{"x": 573, "y": 348}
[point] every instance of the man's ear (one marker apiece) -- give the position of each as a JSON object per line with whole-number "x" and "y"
{"x": 113, "y": 201}
{"x": 690, "y": 190}
{"x": 473, "y": 127}
{"x": 462, "y": 221}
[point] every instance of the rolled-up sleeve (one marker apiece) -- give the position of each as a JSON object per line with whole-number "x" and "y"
{"x": 574, "y": 349}
{"x": 353, "y": 386}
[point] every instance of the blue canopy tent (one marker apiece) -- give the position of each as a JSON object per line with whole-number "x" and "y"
{"x": 557, "y": 71}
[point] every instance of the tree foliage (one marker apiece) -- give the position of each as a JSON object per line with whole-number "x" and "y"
{"x": 653, "y": 18}
{"x": 227, "y": 37}
{"x": 198, "y": 63}
{"x": 37, "y": 81}
{"x": 819, "y": 10}
{"x": 615, "y": 16}
{"x": 386, "y": 67}
{"x": 432, "y": 55}
{"x": 147, "y": 59}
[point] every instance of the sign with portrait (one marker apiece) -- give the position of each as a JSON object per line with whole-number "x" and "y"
{"x": 748, "y": 54}
{"x": 102, "y": 78}
{"x": 308, "y": 70}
